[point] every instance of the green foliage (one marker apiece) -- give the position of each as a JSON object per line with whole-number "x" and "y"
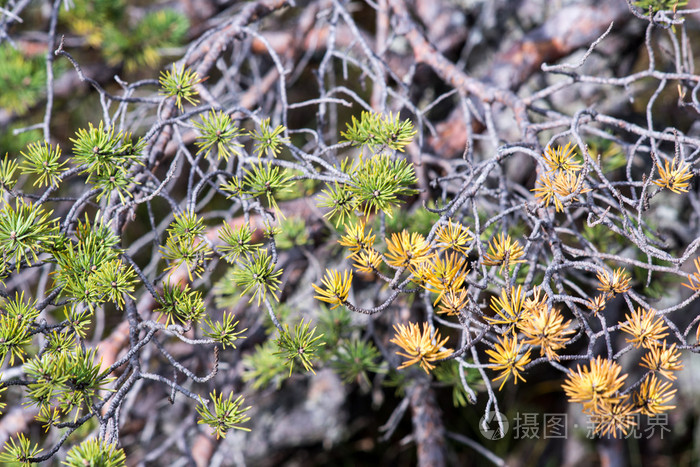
{"x": 397, "y": 380}
{"x": 378, "y": 132}
{"x": 301, "y": 345}
{"x": 293, "y": 233}
{"x": 658, "y": 5}
{"x": 179, "y": 84}
{"x": 257, "y": 274}
{"x": 16, "y": 327}
{"x": 376, "y": 183}
{"x": 19, "y": 452}
{"x": 70, "y": 381}
{"x": 187, "y": 226}
{"x": 8, "y": 167}
{"x": 600, "y": 236}
{"x": 141, "y": 45}
{"x": 226, "y": 293}
{"x": 86, "y": 17}
{"x": 271, "y": 230}
{"x": 354, "y": 359}
{"x": 611, "y": 155}
{"x": 237, "y": 242}
{"x": 112, "y": 281}
{"x": 264, "y": 367}
{"x": 419, "y": 220}
{"x": 448, "y": 374}
{"x": 58, "y": 342}
{"x": 106, "y": 26}
{"x": 101, "y": 149}
{"x": 190, "y": 252}
{"x": 181, "y": 304}
{"x": 14, "y": 143}
{"x": 80, "y": 261}
{"x": 267, "y": 180}
{"x": 48, "y": 416}
{"x": 217, "y": 130}
{"x": 95, "y": 453}
{"x": 334, "y": 324}
{"x": 24, "y": 232}
{"x": 79, "y": 320}
{"x": 107, "y": 157}
{"x": 268, "y": 140}
{"x": 224, "y": 331}
{"x": 227, "y": 414}
{"x": 43, "y": 160}
{"x": 234, "y": 187}
{"x": 186, "y": 245}
{"x": 341, "y": 201}
{"x": 2, "y": 404}
{"x": 22, "y": 79}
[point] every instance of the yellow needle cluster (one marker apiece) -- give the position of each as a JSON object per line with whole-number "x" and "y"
{"x": 646, "y": 331}
{"x": 407, "y": 250}
{"x": 503, "y": 251}
{"x": 674, "y": 176}
{"x": 418, "y": 346}
{"x": 508, "y": 358}
{"x": 563, "y": 181}
{"x": 336, "y": 288}
{"x": 598, "y": 388}
{"x": 544, "y": 326}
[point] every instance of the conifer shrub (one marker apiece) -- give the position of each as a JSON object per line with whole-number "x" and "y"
{"x": 169, "y": 217}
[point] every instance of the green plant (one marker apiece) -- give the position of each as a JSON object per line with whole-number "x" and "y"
{"x": 355, "y": 359}
{"x": 658, "y": 5}
{"x": 298, "y": 345}
{"x": 21, "y": 79}
{"x": 264, "y": 367}
{"x": 218, "y": 131}
{"x": 227, "y": 414}
{"x": 93, "y": 452}
{"x": 180, "y": 84}
{"x": 106, "y": 26}
{"x": 473, "y": 238}
{"x": 43, "y": 160}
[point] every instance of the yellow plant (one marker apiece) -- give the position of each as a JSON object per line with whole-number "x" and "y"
{"x": 536, "y": 303}
{"x": 673, "y": 176}
{"x": 694, "y": 279}
{"x": 503, "y": 250}
{"x": 407, "y": 250}
{"x": 336, "y": 288}
{"x": 442, "y": 274}
{"x": 662, "y": 360}
{"x": 419, "y": 347}
{"x": 598, "y": 303}
{"x": 547, "y": 329}
{"x": 453, "y": 301}
{"x": 653, "y": 395}
{"x": 508, "y": 359}
{"x": 613, "y": 417}
{"x": 453, "y": 236}
{"x": 645, "y": 330}
{"x": 563, "y": 185}
{"x": 367, "y": 261}
{"x": 508, "y": 308}
{"x": 595, "y": 384}
{"x": 561, "y": 159}
{"x": 356, "y": 239}
{"x": 618, "y": 282}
